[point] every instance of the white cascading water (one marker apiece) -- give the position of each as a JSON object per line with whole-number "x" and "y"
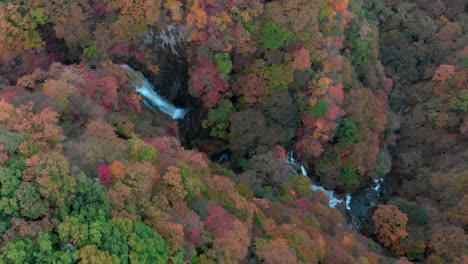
{"x": 168, "y": 39}
{"x": 378, "y": 185}
{"x": 348, "y": 201}
{"x": 333, "y": 200}
{"x": 154, "y": 100}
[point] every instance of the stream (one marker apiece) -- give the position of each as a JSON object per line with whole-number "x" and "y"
{"x": 357, "y": 205}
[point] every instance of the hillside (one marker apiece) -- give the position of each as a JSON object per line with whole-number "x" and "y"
{"x": 206, "y": 131}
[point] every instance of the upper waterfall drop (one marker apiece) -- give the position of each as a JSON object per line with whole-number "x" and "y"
{"x": 154, "y": 100}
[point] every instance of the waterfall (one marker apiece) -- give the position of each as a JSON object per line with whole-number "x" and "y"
{"x": 348, "y": 201}
{"x": 372, "y": 191}
{"x": 378, "y": 185}
{"x": 333, "y": 200}
{"x": 156, "y": 101}
{"x": 303, "y": 170}
{"x": 357, "y": 204}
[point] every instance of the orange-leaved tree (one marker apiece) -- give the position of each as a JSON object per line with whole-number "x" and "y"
{"x": 389, "y": 225}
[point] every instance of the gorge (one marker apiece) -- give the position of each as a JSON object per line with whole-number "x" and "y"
{"x": 207, "y": 131}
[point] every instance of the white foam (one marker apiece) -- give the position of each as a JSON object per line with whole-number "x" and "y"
{"x": 290, "y": 158}
{"x": 154, "y": 100}
{"x": 333, "y": 200}
{"x": 303, "y": 170}
{"x": 378, "y": 185}
{"x": 348, "y": 201}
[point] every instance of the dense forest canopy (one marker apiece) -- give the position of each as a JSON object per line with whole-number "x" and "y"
{"x": 165, "y": 131}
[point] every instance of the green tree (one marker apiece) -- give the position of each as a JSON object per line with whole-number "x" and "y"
{"x": 147, "y": 246}
{"x": 382, "y": 167}
{"x": 140, "y": 151}
{"x": 10, "y": 179}
{"x": 192, "y": 184}
{"x": 349, "y": 177}
{"x": 361, "y": 46}
{"x": 273, "y": 36}
{"x": 319, "y": 109}
{"x": 116, "y": 240}
{"x": 38, "y": 250}
{"x": 460, "y": 103}
{"x": 30, "y": 202}
{"x": 16, "y": 163}
{"x": 74, "y": 229}
{"x": 347, "y": 132}
{"x": 278, "y": 76}
{"x": 38, "y": 16}
{"x": 93, "y": 54}
{"x": 218, "y": 120}
{"x": 90, "y": 200}
{"x": 18, "y": 252}
{"x": 301, "y": 185}
{"x": 9, "y": 182}
{"x": 19, "y": 27}
{"x": 223, "y": 63}
{"x": 48, "y": 252}
{"x": 178, "y": 257}
{"x": 12, "y": 140}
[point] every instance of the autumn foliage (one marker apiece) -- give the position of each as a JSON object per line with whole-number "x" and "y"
{"x": 351, "y": 89}
{"x": 390, "y": 225}
{"x": 207, "y": 83}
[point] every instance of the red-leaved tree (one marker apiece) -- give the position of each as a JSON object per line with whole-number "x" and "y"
{"x": 219, "y": 220}
{"x": 207, "y": 83}
{"x": 105, "y": 175}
